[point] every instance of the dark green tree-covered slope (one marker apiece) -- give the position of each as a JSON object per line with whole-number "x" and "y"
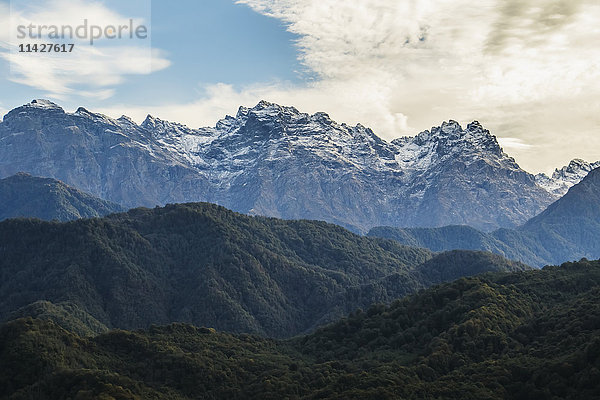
{"x": 443, "y": 267}
{"x": 23, "y": 195}
{"x": 205, "y": 265}
{"x": 567, "y": 230}
{"x": 451, "y": 265}
{"x": 67, "y": 315}
{"x": 445, "y": 238}
{"x": 525, "y": 335}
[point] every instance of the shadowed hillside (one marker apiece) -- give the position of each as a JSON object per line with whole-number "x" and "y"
{"x": 23, "y": 195}
{"x": 526, "y": 335}
{"x": 205, "y": 265}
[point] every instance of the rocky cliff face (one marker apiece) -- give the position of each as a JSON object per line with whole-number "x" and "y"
{"x": 462, "y": 176}
{"x": 113, "y": 159}
{"x": 276, "y": 161}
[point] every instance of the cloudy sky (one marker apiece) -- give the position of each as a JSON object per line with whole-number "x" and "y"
{"x": 529, "y": 70}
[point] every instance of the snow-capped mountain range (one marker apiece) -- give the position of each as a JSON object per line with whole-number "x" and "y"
{"x": 276, "y": 161}
{"x": 566, "y": 177}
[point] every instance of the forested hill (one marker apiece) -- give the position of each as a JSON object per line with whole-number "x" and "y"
{"x": 23, "y": 195}
{"x": 205, "y": 265}
{"x": 526, "y": 335}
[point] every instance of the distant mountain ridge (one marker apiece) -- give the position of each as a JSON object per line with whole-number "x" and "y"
{"x": 276, "y": 161}
{"x": 567, "y": 230}
{"x": 205, "y": 265}
{"x": 111, "y": 159}
{"x": 23, "y": 195}
{"x": 566, "y": 177}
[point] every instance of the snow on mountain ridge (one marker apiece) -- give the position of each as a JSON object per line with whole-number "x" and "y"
{"x": 44, "y": 104}
{"x": 274, "y": 160}
{"x": 433, "y": 146}
{"x": 566, "y": 177}
{"x": 357, "y": 146}
{"x": 410, "y": 154}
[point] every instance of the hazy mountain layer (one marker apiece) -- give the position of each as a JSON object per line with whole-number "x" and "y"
{"x": 567, "y": 230}
{"x": 23, "y": 195}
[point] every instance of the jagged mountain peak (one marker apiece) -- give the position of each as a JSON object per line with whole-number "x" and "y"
{"x": 48, "y": 109}
{"x": 96, "y": 117}
{"x": 453, "y": 129}
{"x": 43, "y": 104}
{"x": 575, "y": 168}
{"x": 35, "y": 106}
{"x": 476, "y": 126}
{"x": 275, "y": 160}
{"x": 273, "y": 108}
{"x": 160, "y": 128}
{"x": 229, "y": 123}
{"x": 449, "y": 127}
{"x": 83, "y": 111}
{"x": 271, "y": 121}
{"x": 242, "y": 112}
{"x": 451, "y": 138}
{"x": 566, "y": 177}
{"x": 448, "y": 130}
{"x": 150, "y": 121}
{"x": 266, "y": 111}
{"x": 126, "y": 120}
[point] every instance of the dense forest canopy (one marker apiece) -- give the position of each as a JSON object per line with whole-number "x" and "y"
{"x": 523, "y": 335}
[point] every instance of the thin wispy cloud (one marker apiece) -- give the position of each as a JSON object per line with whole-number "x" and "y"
{"x": 90, "y": 71}
{"x": 511, "y": 144}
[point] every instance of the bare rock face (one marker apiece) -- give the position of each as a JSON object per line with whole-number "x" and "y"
{"x": 276, "y": 161}
{"x": 462, "y": 177}
{"x": 113, "y": 159}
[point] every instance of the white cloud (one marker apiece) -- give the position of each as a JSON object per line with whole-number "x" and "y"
{"x": 89, "y": 71}
{"x": 98, "y": 70}
{"x": 350, "y": 103}
{"x": 509, "y": 144}
{"x": 414, "y": 63}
